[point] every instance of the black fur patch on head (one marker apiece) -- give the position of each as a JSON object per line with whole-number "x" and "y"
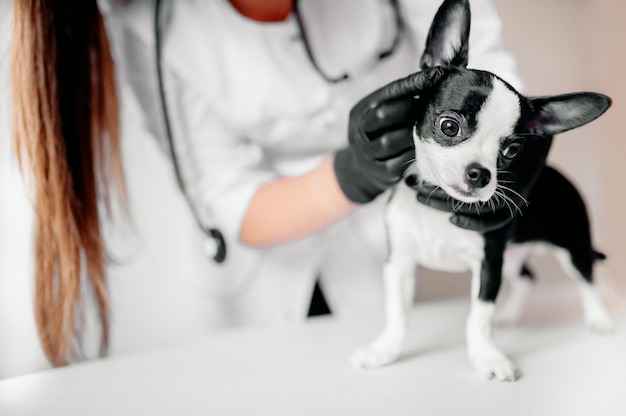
{"x": 521, "y": 172}
{"x": 458, "y": 100}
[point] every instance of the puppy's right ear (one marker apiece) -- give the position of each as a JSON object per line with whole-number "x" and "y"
{"x": 448, "y": 39}
{"x": 560, "y": 113}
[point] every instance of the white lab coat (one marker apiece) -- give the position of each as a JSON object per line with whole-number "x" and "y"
{"x": 246, "y": 106}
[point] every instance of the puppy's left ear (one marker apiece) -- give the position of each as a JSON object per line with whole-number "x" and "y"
{"x": 556, "y": 114}
{"x": 447, "y": 44}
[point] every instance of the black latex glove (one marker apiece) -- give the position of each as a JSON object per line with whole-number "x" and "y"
{"x": 380, "y": 143}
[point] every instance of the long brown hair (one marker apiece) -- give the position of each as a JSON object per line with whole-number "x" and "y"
{"x": 65, "y": 131}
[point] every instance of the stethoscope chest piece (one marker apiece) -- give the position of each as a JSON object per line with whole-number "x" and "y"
{"x": 215, "y": 245}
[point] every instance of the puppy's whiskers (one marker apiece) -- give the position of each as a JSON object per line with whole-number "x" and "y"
{"x": 507, "y": 201}
{"x": 501, "y": 190}
{"x": 431, "y": 193}
{"x": 514, "y": 192}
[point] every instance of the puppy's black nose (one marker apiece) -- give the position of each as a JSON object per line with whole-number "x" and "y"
{"x": 476, "y": 176}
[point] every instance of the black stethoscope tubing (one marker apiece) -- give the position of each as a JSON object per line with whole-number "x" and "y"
{"x": 214, "y": 233}
{"x": 399, "y": 23}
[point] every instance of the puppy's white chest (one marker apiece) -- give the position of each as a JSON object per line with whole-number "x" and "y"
{"x": 428, "y": 236}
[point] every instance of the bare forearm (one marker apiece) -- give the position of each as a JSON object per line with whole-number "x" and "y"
{"x": 291, "y": 208}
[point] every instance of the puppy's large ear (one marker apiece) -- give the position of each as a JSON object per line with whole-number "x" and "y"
{"x": 556, "y": 114}
{"x": 447, "y": 43}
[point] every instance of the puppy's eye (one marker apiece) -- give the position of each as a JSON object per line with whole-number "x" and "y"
{"x": 449, "y": 127}
{"x": 511, "y": 150}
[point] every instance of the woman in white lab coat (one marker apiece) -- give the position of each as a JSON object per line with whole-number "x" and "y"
{"x": 259, "y": 121}
{"x": 257, "y": 109}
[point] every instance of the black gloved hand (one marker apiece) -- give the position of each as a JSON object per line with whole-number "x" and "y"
{"x": 380, "y": 137}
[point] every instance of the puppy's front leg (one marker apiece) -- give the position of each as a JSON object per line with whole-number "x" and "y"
{"x": 399, "y": 282}
{"x": 520, "y": 280}
{"x": 486, "y": 279}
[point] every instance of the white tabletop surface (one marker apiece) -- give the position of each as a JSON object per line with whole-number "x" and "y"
{"x": 304, "y": 370}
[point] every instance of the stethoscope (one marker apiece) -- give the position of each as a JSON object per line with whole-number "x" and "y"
{"x": 399, "y": 24}
{"x": 216, "y": 244}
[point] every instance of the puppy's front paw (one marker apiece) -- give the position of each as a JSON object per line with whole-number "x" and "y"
{"x": 496, "y": 366}
{"x": 383, "y": 351}
{"x": 600, "y": 323}
{"x": 372, "y": 357}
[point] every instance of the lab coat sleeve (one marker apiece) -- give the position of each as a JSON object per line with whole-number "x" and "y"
{"x": 221, "y": 169}
{"x": 487, "y": 49}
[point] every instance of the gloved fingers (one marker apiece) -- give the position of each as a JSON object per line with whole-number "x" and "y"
{"x": 398, "y": 165}
{"x": 483, "y": 223}
{"x": 427, "y": 189}
{"x": 384, "y": 174}
{"x": 391, "y": 144}
{"x": 361, "y": 180}
{"x": 407, "y": 87}
{"x": 412, "y": 85}
{"x": 390, "y": 114}
{"x": 432, "y": 200}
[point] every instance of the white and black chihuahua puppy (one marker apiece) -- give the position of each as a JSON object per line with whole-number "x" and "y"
{"x": 483, "y": 144}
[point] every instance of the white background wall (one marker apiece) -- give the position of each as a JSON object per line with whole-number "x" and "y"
{"x": 565, "y": 46}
